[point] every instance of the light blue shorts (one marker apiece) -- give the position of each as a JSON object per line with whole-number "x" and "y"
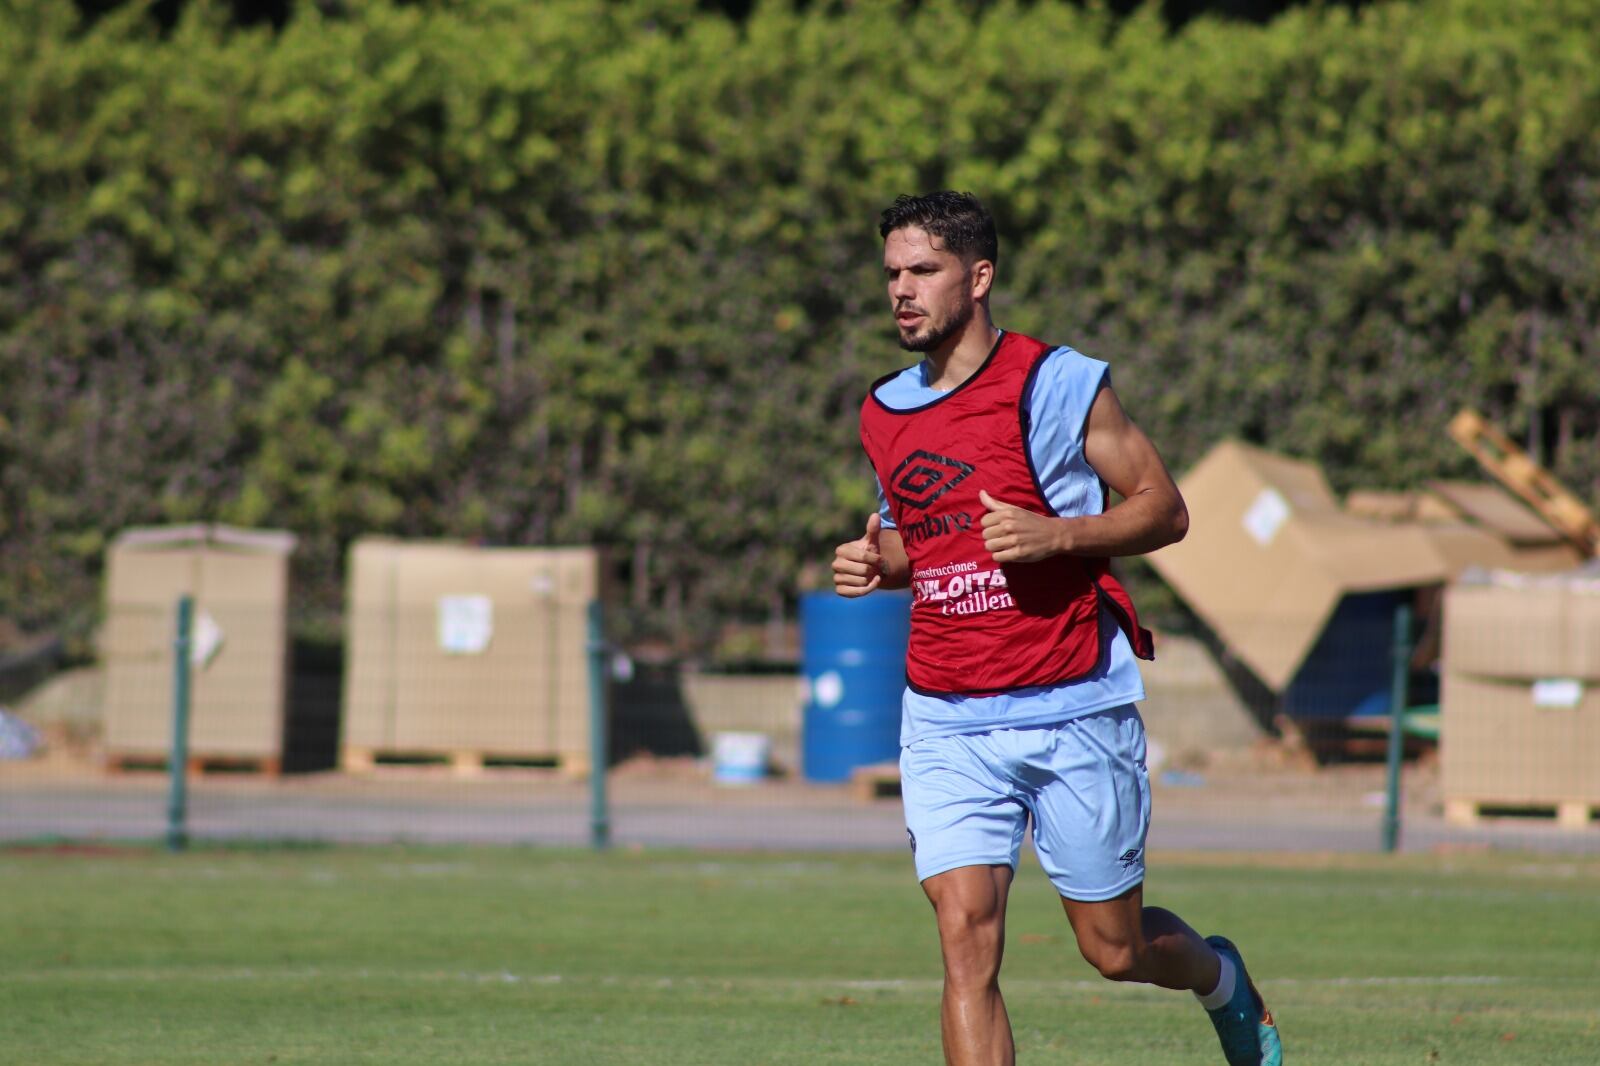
{"x": 968, "y": 799}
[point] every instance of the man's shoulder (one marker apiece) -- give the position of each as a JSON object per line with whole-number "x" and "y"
{"x": 1063, "y": 366}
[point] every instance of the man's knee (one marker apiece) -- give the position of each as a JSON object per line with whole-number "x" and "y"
{"x": 968, "y": 922}
{"x": 969, "y": 901}
{"x": 1116, "y": 960}
{"x": 971, "y": 937}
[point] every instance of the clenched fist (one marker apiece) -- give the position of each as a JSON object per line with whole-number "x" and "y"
{"x": 858, "y": 564}
{"x": 1014, "y": 535}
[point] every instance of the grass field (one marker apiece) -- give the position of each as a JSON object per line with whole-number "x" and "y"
{"x": 465, "y": 955}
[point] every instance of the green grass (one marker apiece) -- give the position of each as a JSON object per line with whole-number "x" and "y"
{"x": 467, "y": 955}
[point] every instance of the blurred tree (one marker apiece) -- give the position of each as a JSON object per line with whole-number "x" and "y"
{"x": 167, "y": 12}
{"x": 583, "y": 271}
{"x": 277, "y": 12}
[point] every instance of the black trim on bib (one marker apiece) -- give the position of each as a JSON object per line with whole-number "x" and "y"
{"x": 942, "y": 397}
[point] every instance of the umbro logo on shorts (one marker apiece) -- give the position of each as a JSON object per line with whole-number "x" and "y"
{"x": 923, "y": 477}
{"x": 1129, "y": 857}
{"x": 913, "y": 837}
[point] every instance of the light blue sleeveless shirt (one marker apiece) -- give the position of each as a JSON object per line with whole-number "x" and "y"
{"x": 1063, "y": 391}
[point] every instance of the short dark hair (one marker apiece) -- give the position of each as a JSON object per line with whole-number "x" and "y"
{"x": 956, "y": 218}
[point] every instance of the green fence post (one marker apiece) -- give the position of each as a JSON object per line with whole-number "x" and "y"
{"x": 599, "y": 744}
{"x": 178, "y": 760}
{"x": 1398, "y": 694}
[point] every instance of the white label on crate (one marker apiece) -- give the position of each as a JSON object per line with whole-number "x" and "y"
{"x": 1557, "y": 692}
{"x": 1266, "y": 516}
{"x": 466, "y": 624}
{"x": 207, "y": 640}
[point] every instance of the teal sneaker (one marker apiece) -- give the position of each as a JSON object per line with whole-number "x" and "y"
{"x": 1245, "y": 1026}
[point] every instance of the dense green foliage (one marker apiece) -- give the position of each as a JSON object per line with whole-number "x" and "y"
{"x": 583, "y": 271}
{"x": 476, "y": 956}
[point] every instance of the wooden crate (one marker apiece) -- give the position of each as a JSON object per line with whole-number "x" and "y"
{"x": 239, "y": 581}
{"x": 523, "y": 692}
{"x": 1520, "y": 700}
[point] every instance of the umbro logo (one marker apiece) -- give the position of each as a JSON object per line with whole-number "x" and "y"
{"x": 923, "y": 477}
{"x": 1129, "y": 857}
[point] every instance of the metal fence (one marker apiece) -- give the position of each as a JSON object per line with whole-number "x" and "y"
{"x": 185, "y": 730}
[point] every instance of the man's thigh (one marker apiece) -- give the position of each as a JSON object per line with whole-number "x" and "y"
{"x": 959, "y": 811}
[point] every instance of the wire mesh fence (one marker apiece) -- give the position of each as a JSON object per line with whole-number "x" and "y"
{"x": 448, "y": 737}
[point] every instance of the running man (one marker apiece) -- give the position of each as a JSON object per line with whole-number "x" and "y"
{"x": 992, "y": 457}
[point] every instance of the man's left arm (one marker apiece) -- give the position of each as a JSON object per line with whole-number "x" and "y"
{"x": 1151, "y": 514}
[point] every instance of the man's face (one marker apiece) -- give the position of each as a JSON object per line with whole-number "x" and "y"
{"x": 930, "y": 288}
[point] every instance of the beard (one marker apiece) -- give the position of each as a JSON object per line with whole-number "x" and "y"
{"x": 936, "y": 333}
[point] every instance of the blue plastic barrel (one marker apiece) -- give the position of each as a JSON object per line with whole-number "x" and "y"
{"x": 853, "y": 655}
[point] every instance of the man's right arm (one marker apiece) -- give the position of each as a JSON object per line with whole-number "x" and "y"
{"x": 875, "y": 560}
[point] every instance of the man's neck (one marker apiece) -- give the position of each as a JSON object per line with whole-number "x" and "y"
{"x": 960, "y": 357}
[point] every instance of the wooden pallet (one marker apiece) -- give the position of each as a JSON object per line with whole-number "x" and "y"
{"x": 1519, "y": 473}
{"x": 1568, "y": 814}
{"x": 878, "y": 781}
{"x": 136, "y": 762}
{"x": 459, "y": 762}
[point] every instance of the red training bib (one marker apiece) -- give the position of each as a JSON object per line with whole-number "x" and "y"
{"x": 979, "y": 627}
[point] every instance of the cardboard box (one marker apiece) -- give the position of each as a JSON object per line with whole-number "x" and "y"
{"x": 1469, "y": 504}
{"x": 1497, "y": 510}
{"x": 1292, "y": 582}
{"x": 1520, "y": 703}
{"x": 1271, "y": 553}
{"x": 454, "y": 648}
{"x": 239, "y": 580}
{"x": 1524, "y": 626}
{"x": 1472, "y": 525}
{"x": 1500, "y": 743}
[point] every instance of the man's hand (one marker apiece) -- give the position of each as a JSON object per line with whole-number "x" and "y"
{"x": 1013, "y": 535}
{"x": 858, "y": 564}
